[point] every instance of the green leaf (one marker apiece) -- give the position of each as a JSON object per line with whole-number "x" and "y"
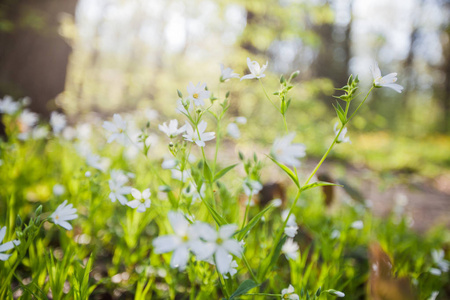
{"x": 224, "y": 171}
{"x": 318, "y": 183}
{"x": 216, "y": 216}
{"x": 207, "y": 172}
{"x": 287, "y": 171}
{"x": 340, "y": 113}
{"x": 244, "y": 288}
{"x": 241, "y": 233}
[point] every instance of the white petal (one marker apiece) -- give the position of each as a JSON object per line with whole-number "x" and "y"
{"x": 166, "y": 243}
{"x": 4, "y": 257}
{"x": 248, "y": 76}
{"x": 2, "y": 233}
{"x": 202, "y": 126}
{"x": 134, "y": 203}
{"x": 233, "y": 247}
{"x": 65, "y": 225}
{"x": 179, "y": 223}
{"x": 136, "y": 194}
{"x": 222, "y": 261}
{"x": 6, "y": 246}
{"x": 179, "y": 258}
{"x": 226, "y": 231}
{"x": 146, "y": 193}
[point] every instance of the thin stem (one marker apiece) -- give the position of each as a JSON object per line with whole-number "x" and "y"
{"x": 244, "y": 259}
{"x": 217, "y": 145}
{"x": 247, "y": 209}
{"x": 285, "y": 124}
{"x": 365, "y": 98}
{"x": 267, "y": 95}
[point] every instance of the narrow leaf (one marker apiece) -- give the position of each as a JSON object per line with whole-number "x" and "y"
{"x": 318, "y": 183}
{"x": 244, "y": 288}
{"x": 207, "y": 172}
{"x": 223, "y": 172}
{"x": 241, "y": 233}
{"x": 287, "y": 171}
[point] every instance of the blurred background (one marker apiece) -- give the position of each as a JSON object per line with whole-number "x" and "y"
{"x": 99, "y": 57}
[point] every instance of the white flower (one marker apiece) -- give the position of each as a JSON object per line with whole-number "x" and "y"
{"x": 241, "y": 120}
{"x": 58, "y": 121}
{"x": 9, "y": 106}
{"x": 277, "y": 202}
{"x": 117, "y": 128}
{"x": 232, "y": 269}
{"x": 191, "y": 192}
{"x": 197, "y": 93}
{"x": 255, "y": 70}
{"x": 342, "y": 138}
{"x": 179, "y": 243}
{"x": 39, "y": 132}
{"x": 181, "y": 176}
{"x": 287, "y": 153}
{"x": 290, "y": 249}
{"x": 198, "y": 136}
{"x": 433, "y": 295}
{"x": 169, "y": 163}
{"x": 58, "y": 189}
{"x": 64, "y": 213}
{"x": 118, "y": 190}
{"x": 435, "y": 271}
{"x": 28, "y": 118}
{"x": 141, "y": 200}
{"x": 357, "y": 225}
{"x": 335, "y": 234}
{"x": 218, "y": 246}
{"x": 386, "y": 81}
{"x": 438, "y": 258}
{"x": 97, "y": 162}
{"x": 289, "y": 293}
{"x": 291, "y": 226}
{"x": 336, "y": 293}
{"x": 6, "y": 246}
{"x": 88, "y": 174}
{"x": 226, "y": 74}
{"x": 172, "y": 131}
{"x": 181, "y": 109}
{"x": 233, "y": 131}
{"x": 252, "y": 187}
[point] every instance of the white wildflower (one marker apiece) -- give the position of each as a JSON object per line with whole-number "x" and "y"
{"x": 117, "y": 128}
{"x": 8, "y": 105}
{"x": 357, "y": 225}
{"x": 233, "y": 131}
{"x": 226, "y": 74}
{"x": 386, "y": 81}
{"x": 58, "y": 189}
{"x": 58, "y": 121}
{"x": 197, "y": 93}
{"x": 141, "y": 200}
{"x": 64, "y": 213}
{"x": 172, "y": 131}
{"x": 342, "y": 138}
{"x": 285, "y": 152}
{"x": 290, "y": 249}
{"x": 291, "y": 226}
{"x": 6, "y": 246}
{"x": 198, "y": 136}
{"x": 289, "y": 293}
{"x": 255, "y": 70}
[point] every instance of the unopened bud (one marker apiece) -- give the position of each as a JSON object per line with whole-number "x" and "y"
{"x": 18, "y": 221}
{"x": 170, "y": 145}
{"x": 199, "y": 110}
{"x": 38, "y": 210}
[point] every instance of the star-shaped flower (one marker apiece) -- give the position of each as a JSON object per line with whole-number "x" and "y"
{"x": 255, "y": 70}
{"x": 6, "y": 246}
{"x": 117, "y": 128}
{"x": 64, "y": 213}
{"x": 199, "y": 137}
{"x": 226, "y": 74}
{"x": 172, "y": 130}
{"x": 285, "y": 152}
{"x": 386, "y": 81}
{"x": 197, "y": 93}
{"x": 141, "y": 200}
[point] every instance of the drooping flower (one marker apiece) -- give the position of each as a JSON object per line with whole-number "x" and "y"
{"x": 226, "y": 74}
{"x": 8, "y": 105}
{"x": 285, "y": 152}
{"x": 141, "y": 200}
{"x": 6, "y": 246}
{"x": 179, "y": 242}
{"x": 291, "y": 226}
{"x": 172, "y": 131}
{"x": 197, "y": 93}
{"x": 58, "y": 121}
{"x": 232, "y": 269}
{"x": 117, "y": 128}
{"x": 64, "y": 213}
{"x": 290, "y": 249}
{"x": 198, "y": 136}
{"x": 289, "y": 293}
{"x": 336, "y": 293}
{"x": 342, "y": 138}
{"x": 384, "y": 81}
{"x": 217, "y": 245}
{"x": 255, "y": 70}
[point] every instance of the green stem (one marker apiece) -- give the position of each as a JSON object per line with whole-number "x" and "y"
{"x": 365, "y": 98}
{"x": 217, "y": 145}
{"x": 267, "y": 95}
{"x": 285, "y": 124}
{"x": 244, "y": 259}
{"x": 246, "y": 210}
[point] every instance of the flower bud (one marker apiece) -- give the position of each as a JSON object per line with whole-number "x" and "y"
{"x": 170, "y": 145}
{"x": 18, "y": 221}
{"x": 199, "y": 110}
{"x": 38, "y": 210}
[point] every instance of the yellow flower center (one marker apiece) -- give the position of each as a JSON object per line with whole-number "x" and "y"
{"x": 219, "y": 241}
{"x": 195, "y": 96}
{"x": 142, "y": 200}
{"x": 56, "y": 217}
{"x": 185, "y": 238}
